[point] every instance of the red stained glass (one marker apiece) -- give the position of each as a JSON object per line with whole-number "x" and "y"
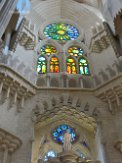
{"x": 54, "y": 65}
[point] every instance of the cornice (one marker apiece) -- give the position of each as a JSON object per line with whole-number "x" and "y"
{"x": 9, "y": 141}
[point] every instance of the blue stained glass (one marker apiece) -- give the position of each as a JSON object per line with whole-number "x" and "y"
{"x": 55, "y": 134}
{"x": 59, "y": 132}
{"x": 49, "y": 154}
{"x": 83, "y": 66}
{"x": 64, "y": 127}
{"x": 61, "y": 31}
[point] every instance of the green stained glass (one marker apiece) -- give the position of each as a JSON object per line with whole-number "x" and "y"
{"x": 48, "y": 50}
{"x": 54, "y": 65}
{"x": 61, "y": 31}
{"x": 75, "y": 51}
{"x": 41, "y": 65}
{"x": 83, "y": 66}
{"x": 71, "y": 66}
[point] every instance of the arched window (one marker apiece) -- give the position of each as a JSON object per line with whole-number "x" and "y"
{"x": 48, "y": 50}
{"x": 54, "y": 65}
{"x": 49, "y": 154}
{"x": 76, "y": 51}
{"x": 71, "y": 66}
{"x": 41, "y": 65}
{"x": 83, "y": 66}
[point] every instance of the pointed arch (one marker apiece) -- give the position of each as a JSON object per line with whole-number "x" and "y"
{"x": 71, "y": 66}
{"x": 42, "y": 65}
{"x": 54, "y": 65}
{"x": 83, "y": 66}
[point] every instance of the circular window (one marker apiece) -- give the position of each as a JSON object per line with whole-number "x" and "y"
{"x": 48, "y": 50}
{"x": 58, "y": 133}
{"x": 61, "y": 31}
{"x": 75, "y": 51}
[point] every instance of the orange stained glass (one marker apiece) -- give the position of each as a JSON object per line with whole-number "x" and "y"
{"x": 71, "y": 66}
{"x": 54, "y": 65}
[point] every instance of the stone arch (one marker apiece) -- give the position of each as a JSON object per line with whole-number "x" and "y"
{"x": 65, "y": 115}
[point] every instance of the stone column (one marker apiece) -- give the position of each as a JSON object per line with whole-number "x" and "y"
{"x": 5, "y": 155}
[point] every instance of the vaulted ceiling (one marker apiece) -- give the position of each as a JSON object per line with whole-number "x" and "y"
{"x": 84, "y": 14}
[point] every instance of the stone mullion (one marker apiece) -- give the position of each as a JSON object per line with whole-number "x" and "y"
{"x": 48, "y": 80}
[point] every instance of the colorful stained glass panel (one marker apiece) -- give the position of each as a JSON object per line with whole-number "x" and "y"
{"x": 58, "y": 133}
{"x": 48, "y": 50}
{"x": 76, "y": 51}
{"x": 41, "y": 65}
{"x": 61, "y": 31}
{"x": 83, "y": 66}
{"x": 71, "y": 66}
{"x": 49, "y": 154}
{"x": 54, "y": 65}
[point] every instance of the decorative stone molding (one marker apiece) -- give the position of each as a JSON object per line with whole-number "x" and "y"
{"x": 27, "y": 38}
{"x": 66, "y": 113}
{"x": 111, "y": 92}
{"x": 114, "y": 41}
{"x": 9, "y": 141}
{"x": 99, "y": 40}
{"x": 10, "y": 77}
{"x": 118, "y": 145}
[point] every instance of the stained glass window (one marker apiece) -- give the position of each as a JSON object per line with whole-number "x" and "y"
{"x": 48, "y": 50}
{"x": 83, "y": 66}
{"x": 49, "y": 154}
{"x": 58, "y": 133}
{"x": 80, "y": 154}
{"x": 75, "y": 51}
{"x": 71, "y": 66}
{"x": 54, "y": 65}
{"x": 61, "y": 31}
{"x": 41, "y": 65}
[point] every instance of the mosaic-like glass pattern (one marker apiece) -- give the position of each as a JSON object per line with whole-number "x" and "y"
{"x": 41, "y": 65}
{"x": 83, "y": 66}
{"x": 58, "y": 133}
{"x": 71, "y": 66}
{"x": 61, "y": 31}
{"x": 76, "y": 51}
{"x": 48, "y": 50}
{"x": 49, "y": 154}
{"x": 54, "y": 65}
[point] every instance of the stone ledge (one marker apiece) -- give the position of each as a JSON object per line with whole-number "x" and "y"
{"x": 9, "y": 141}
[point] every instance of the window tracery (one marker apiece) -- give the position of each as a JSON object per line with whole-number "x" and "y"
{"x": 61, "y": 32}
{"x": 41, "y": 65}
{"x": 75, "y": 51}
{"x": 83, "y": 66}
{"x": 71, "y": 66}
{"x": 54, "y": 64}
{"x": 58, "y": 133}
{"x": 48, "y": 50}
